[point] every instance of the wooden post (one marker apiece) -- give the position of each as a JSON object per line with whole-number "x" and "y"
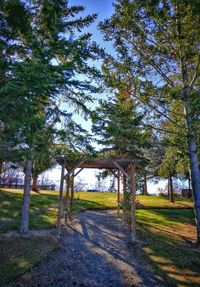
{"x": 60, "y": 200}
{"x": 133, "y": 203}
{"x": 124, "y": 187}
{"x": 67, "y": 198}
{"x": 118, "y": 192}
{"x": 72, "y": 191}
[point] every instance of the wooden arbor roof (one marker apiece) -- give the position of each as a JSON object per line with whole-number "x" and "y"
{"x": 111, "y": 163}
{"x": 127, "y": 166}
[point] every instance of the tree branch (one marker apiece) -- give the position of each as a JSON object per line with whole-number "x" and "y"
{"x": 156, "y": 109}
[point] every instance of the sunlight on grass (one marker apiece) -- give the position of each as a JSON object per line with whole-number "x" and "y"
{"x": 21, "y": 263}
{"x": 166, "y": 232}
{"x": 43, "y": 207}
{"x": 17, "y": 255}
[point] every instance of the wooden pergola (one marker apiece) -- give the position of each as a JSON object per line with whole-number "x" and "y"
{"x": 126, "y": 167}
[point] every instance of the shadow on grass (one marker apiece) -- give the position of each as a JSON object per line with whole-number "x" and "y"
{"x": 169, "y": 252}
{"x": 17, "y": 255}
{"x": 166, "y": 216}
{"x": 40, "y": 215}
{"x": 43, "y": 209}
{"x": 173, "y": 263}
{"x": 83, "y": 204}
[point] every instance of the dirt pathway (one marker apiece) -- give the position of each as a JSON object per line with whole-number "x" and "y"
{"x": 93, "y": 253}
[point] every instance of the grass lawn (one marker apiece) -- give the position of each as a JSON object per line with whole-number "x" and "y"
{"x": 42, "y": 209}
{"x": 43, "y": 206}
{"x": 163, "y": 202}
{"x": 18, "y": 255}
{"x": 168, "y": 250}
{"x": 167, "y": 233}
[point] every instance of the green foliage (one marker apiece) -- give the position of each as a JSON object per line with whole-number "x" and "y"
{"x": 157, "y": 58}
{"x": 44, "y": 61}
{"x": 117, "y": 124}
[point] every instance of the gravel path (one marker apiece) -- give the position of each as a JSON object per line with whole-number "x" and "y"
{"x": 93, "y": 253}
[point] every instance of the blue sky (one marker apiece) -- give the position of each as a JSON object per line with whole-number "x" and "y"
{"x": 104, "y": 9}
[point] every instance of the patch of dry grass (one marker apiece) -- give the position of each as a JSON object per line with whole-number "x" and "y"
{"x": 169, "y": 250}
{"x": 19, "y": 254}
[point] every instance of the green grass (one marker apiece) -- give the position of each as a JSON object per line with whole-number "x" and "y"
{"x": 169, "y": 250}
{"x": 42, "y": 209}
{"x": 18, "y": 255}
{"x": 166, "y": 228}
{"x": 94, "y": 200}
{"x": 163, "y": 202}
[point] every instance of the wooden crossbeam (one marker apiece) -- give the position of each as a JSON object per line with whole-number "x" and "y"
{"x": 119, "y": 167}
{"x": 73, "y": 169}
{"x": 78, "y": 171}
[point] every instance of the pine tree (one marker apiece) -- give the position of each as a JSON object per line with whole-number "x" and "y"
{"x": 161, "y": 39}
{"x": 44, "y": 62}
{"x": 117, "y": 125}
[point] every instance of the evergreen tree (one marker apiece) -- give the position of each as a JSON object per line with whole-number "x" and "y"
{"x": 44, "y": 62}
{"x": 161, "y": 39}
{"x": 117, "y": 124}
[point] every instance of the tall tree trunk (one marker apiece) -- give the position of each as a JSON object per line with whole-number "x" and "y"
{"x": 171, "y": 190}
{"x": 168, "y": 188}
{"x": 145, "y": 185}
{"x": 194, "y": 167}
{"x": 34, "y": 184}
{"x": 24, "y": 220}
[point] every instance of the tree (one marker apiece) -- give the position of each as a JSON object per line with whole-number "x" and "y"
{"x": 42, "y": 54}
{"x": 160, "y": 42}
{"x": 175, "y": 162}
{"x": 117, "y": 124}
{"x": 45, "y": 160}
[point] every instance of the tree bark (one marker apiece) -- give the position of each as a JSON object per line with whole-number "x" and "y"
{"x": 24, "y": 220}
{"x": 168, "y": 188}
{"x": 171, "y": 190}
{"x": 145, "y": 185}
{"x": 194, "y": 167}
{"x": 34, "y": 184}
